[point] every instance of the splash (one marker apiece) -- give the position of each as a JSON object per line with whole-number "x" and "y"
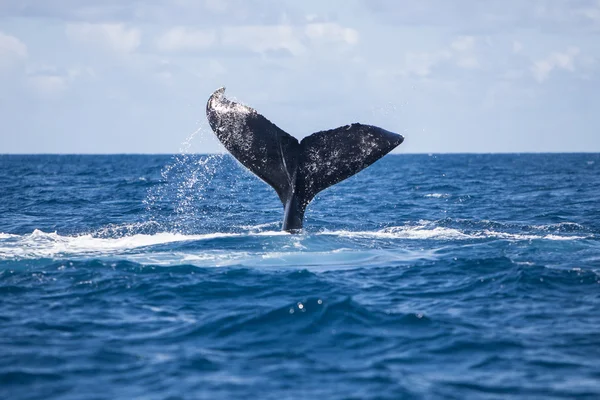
{"x": 176, "y": 204}
{"x": 51, "y": 245}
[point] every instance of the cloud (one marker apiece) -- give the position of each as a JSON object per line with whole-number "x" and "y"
{"x": 265, "y": 38}
{"x": 592, "y": 12}
{"x": 431, "y": 56}
{"x": 460, "y": 52}
{"x": 114, "y": 37}
{"x": 47, "y": 86}
{"x": 421, "y": 64}
{"x": 207, "y": 13}
{"x": 577, "y": 15}
{"x": 261, "y": 39}
{"x": 517, "y": 47}
{"x": 70, "y": 10}
{"x": 217, "y": 5}
{"x": 50, "y": 82}
{"x": 331, "y": 32}
{"x": 541, "y": 69}
{"x": 464, "y": 52}
{"x": 463, "y": 44}
{"x": 11, "y": 50}
{"x": 496, "y": 16}
{"x": 468, "y": 16}
{"x": 185, "y": 39}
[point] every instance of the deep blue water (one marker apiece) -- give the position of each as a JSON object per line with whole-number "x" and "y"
{"x": 443, "y": 276}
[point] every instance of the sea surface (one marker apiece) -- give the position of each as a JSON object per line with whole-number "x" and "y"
{"x": 422, "y": 277}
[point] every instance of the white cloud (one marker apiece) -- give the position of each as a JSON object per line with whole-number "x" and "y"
{"x": 467, "y": 62}
{"x": 77, "y": 72}
{"x": 185, "y": 39}
{"x": 263, "y": 38}
{"x": 216, "y": 5}
{"x": 421, "y": 64}
{"x": 517, "y": 47}
{"x": 592, "y": 12}
{"x": 11, "y": 50}
{"x": 541, "y": 69}
{"x": 460, "y": 52}
{"x": 47, "y": 86}
{"x": 464, "y": 52}
{"x": 463, "y": 43}
{"x": 50, "y": 82}
{"x": 443, "y": 59}
{"x": 574, "y": 14}
{"x": 331, "y": 32}
{"x": 115, "y": 37}
{"x": 258, "y": 38}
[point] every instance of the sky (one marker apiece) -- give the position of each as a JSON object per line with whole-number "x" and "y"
{"x": 113, "y": 76}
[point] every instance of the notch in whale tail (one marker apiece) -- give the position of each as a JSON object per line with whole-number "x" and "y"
{"x": 296, "y": 170}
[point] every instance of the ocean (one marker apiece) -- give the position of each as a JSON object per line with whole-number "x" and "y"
{"x": 422, "y": 277}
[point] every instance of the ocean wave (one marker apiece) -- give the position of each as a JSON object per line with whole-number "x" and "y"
{"x": 425, "y": 231}
{"x": 149, "y": 247}
{"x": 314, "y": 260}
{"x": 523, "y": 236}
{"x": 259, "y": 227}
{"x": 561, "y": 226}
{"x": 41, "y": 244}
{"x": 403, "y": 232}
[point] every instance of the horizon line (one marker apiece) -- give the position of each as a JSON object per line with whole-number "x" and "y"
{"x": 226, "y": 153}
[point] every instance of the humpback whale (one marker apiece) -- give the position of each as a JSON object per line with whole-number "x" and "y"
{"x": 296, "y": 170}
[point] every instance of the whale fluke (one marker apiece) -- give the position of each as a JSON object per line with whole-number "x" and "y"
{"x": 296, "y": 170}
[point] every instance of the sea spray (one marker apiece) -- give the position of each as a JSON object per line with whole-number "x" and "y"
{"x": 177, "y": 203}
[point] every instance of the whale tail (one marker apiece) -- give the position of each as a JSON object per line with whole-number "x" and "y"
{"x": 296, "y": 170}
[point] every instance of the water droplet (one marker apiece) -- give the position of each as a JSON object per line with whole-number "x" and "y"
{"x": 320, "y": 301}
{"x": 300, "y": 306}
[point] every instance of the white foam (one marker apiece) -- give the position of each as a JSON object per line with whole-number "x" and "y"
{"x": 40, "y": 244}
{"x": 556, "y": 237}
{"x": 270, "y": 233}
{"x": 560, "y": 225}
{"x": 518, "y": 236}
{"x": 404, "y": 232}
{"x": 438, "y": 195}
{"x": 259, "y": 226}
{"x": 425, "y": 231}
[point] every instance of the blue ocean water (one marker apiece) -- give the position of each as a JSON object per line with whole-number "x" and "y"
{"x": 166, "y": 277}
